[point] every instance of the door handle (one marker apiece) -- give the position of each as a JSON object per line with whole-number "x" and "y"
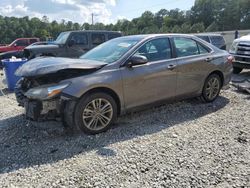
{"x": 209, "y": 59}
{"x": 171, "y": 67}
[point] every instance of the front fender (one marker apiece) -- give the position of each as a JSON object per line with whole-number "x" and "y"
{"x": 109, "y": 79}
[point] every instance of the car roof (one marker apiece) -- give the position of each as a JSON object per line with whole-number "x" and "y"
{"x": 145, "y": 36}
{"x": 151, "y": 36}
{"x": 93, "y": 31}
{"x": 208, "y": 34}
{"x": 27, "y": 38}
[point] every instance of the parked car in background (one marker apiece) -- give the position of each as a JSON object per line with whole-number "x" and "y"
{"x": 121, "y": 75}
{"x": 71, "y": 44}
{"x": 240, "y": 49}
{"x": 18, "y": 44}
{"x": 215, "y": 39}
{"x": 19, "y": 53}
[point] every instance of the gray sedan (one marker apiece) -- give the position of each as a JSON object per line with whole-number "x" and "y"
{"x": 121, "y": 75}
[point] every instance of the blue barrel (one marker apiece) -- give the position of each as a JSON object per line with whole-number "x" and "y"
{"x": 10, "y": 67}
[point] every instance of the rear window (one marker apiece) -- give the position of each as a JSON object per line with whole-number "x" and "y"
{"x": 33, "y": 41}
{"x": 217, "y": 40}
{"x": 205, "y": 38}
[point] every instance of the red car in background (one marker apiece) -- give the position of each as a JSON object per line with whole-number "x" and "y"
{"x": 18, "y": 44}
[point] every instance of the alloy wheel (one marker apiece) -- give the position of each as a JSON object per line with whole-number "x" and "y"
{"x": 97, "y": 114}
{"x": 212, "y": 88}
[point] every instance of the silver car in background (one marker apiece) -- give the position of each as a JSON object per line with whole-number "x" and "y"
{"x": 121, "y": 75}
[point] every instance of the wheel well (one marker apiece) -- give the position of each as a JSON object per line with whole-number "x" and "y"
{"x": 220, "y": 74}
{"x": 109, "y": 92}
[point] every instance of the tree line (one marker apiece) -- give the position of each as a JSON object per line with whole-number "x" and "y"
{"x": 204, "y": 16}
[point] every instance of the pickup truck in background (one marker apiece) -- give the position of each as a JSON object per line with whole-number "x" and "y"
{"x": 71, "y": 44}
{"x": 19, "y": 53}
{"x": 240, "y": 49}
{"x": 18, "y": 44}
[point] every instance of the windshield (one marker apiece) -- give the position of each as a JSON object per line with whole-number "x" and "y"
{"x": 62, "y": 38}
{"x": 112, "y": 50}
{"x": 13, "y": 43}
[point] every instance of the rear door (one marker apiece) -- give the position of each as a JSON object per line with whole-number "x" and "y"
{"x": 153, "y": 81}
{"x": 193, "y": 65}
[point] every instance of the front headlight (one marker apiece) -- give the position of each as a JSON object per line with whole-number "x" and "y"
{"x": 234, "y": 47}
{"x": 46, "y": 92}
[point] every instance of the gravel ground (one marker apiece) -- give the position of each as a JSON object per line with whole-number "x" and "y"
{"x": 184, "y": 144}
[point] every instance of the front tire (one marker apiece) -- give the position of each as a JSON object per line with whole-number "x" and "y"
{"x": 237, "y": 70}
{"x": 211, "y": 88}
{"x": 95, "y": 113}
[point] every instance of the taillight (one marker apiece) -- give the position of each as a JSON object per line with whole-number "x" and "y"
{"x": 230, "y": 59}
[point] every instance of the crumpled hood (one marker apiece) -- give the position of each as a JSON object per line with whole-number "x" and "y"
{"x": 47, "y": 65}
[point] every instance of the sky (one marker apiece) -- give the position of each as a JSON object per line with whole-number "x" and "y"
{"x": 105, "y": 11}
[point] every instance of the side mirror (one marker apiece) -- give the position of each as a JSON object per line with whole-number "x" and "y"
{"x": 71, "y": 43}
{"x": 137, "y": 60}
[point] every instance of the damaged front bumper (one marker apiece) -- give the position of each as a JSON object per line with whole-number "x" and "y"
{"x": 42, "y": 103}
{"x": 59, "y": 109}
{"x": 43, "y": 110}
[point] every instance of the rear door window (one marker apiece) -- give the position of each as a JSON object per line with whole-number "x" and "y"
{"x": 97, "y": 39}
{"x": 202, "y": 49}
{"x": 156, "y": 50}
{"x": 185, "y": 47}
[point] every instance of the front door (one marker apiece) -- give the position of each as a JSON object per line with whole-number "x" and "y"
{"x": 153, "y": 81}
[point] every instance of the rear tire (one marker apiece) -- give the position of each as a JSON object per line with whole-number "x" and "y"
{"x": 237, "y": 70}
{"x": 211, "y": 88}
{"x": 95, "y": 113}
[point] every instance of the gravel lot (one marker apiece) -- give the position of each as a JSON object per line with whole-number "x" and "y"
{"x": 184, "y": 144}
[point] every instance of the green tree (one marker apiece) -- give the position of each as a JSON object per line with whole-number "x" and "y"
{"x": 197, "y": 28}
{"x": 205, "y": 15}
